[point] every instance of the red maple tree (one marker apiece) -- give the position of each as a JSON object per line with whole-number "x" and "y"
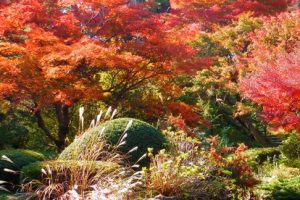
{"x": 52, "y": 53}
{"x": 275, "y": 86}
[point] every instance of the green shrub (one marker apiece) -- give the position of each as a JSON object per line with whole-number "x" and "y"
{"x": 291, "y": 163}
{"x": 33, "y": 171}
{"x": 288, "y": 189}
{"x": 291, "y": 147}
{"x": 140, "y": 134}
{"x": 20, "y": 158}
{"x": 258, "y": 156}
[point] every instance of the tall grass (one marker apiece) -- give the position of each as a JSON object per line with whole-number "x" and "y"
{"x": 84, "y": 181}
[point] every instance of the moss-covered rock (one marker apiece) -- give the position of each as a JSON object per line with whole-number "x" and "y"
{"x": 140, "y": 134}
{"x": 20, "y": 159}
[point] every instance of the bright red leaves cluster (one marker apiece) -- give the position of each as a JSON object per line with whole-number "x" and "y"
{"x": 276, "y": 86}
{"x": 222, "y": 11}
{"x": 275, "y": 60}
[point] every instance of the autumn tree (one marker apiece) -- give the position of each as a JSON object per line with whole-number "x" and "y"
{"x": 234, "y": 45}
{"x": 55, "y": 54}
{"x": 272, "y": 60}
{"x": 275, "y": 86}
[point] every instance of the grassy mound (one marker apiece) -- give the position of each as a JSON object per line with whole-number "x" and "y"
{"x": 20, "y": 159}
{"x": 140, "y": 134}
{"x": 34, "y": 170}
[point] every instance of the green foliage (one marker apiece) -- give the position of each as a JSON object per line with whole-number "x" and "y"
{"x": 291, "y": 147}
{"x": 140, "y": 134}
{"x": 171, "y": 175}
{"x": 288, "y": 189}
{"x": 187, "y": 172}
{"x": 18, "y": 129}
{"x": 258, "y": 156}
{"x": 292, "y": 163}
{"x": 7, "y": 196}
{"x": 33, "y": 171}
{"x": 20, "y": 159}
{"x": 13, "y": 130}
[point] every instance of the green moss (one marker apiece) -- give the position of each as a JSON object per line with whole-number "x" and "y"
{"x": 20, "y": 158}
{"x": 288, "y": 189}
{"x": 140, "y": 134}
{"x": 34, "y": 170}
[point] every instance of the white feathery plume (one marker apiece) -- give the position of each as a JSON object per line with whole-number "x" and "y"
{"x": 108, "y": 112}
{"x": 133, "y": 149}
{"x": 10, "y": 171}
{"x": 81, "y": 119}
{"x": 44, "y": 171}
{"x": 102, "y": 131}
{"x": 128, "y": 125}
{"x": 4, "y": 189}
{"x": 5, "y": 158}
{"x": 141, "y": 158}
{"x": 99, "y": 117}
{"x": 113, "y": 114}
{"x": 124, "y": 137}
{"x": 92, "y": 125}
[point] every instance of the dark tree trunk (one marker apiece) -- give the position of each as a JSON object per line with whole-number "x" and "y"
{"x": 258, "y": 136}
{"x": 63, "y": 118}
{"x": 62, "y": 114}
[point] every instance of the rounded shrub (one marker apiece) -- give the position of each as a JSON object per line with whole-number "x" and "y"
{"x": 20, "y": 158}
{"x": 257, "y": 156}
{"x": 291, "y": 147}
{"x": 33, "y": 171}
{"x": 140, "y": 134}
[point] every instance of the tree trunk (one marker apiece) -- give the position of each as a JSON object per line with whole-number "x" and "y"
{"x": 43, "y": 127}
{"x": 63, "y": 118}
{"x": 256, "y": 134}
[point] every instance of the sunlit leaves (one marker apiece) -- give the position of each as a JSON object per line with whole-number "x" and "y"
{"x": 275, "y": 86}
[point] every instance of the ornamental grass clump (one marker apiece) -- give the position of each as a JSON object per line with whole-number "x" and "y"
{"x": 98, "y": 172}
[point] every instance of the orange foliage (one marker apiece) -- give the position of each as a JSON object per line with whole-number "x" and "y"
{"x": 51, "y": 51}
{"x": 238, "y": 165}
{"x": 187, "y": 113}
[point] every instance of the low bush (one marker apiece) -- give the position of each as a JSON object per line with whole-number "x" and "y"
{"x": 19, "y": 158}
{"x": 187, "y": 172}
{"x": 292, "y": 163}
{"x": 287, "y": 189}
{"x": 291, "y": 147}
{"x": 261, "y": 155}
{"x": 140, "y": 134}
